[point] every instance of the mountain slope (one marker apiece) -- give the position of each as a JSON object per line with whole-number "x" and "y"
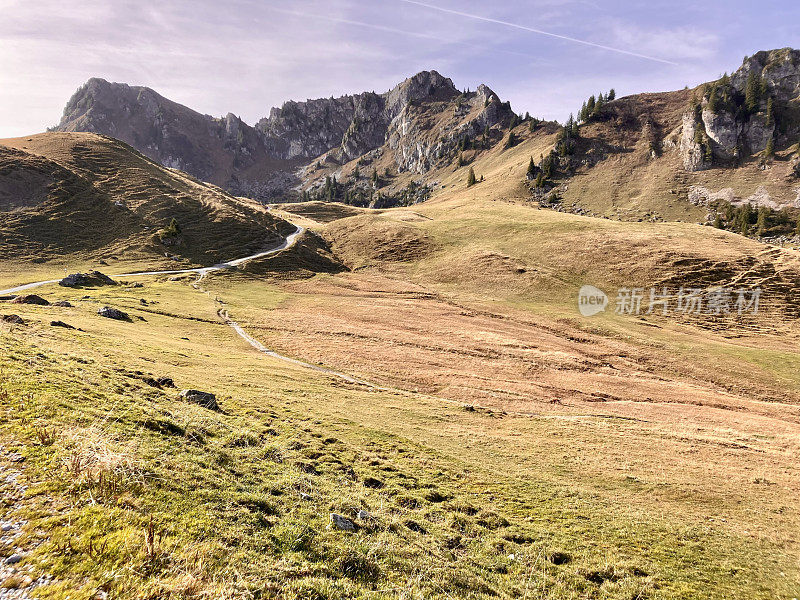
{"x": 84, "y": 193}
{"x": 224, "y": 151}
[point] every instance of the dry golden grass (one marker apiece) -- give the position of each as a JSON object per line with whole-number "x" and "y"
{"x": 100, "y": 199}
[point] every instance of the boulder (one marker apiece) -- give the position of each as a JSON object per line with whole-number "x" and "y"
{"x": 92, "y": 278}
{"x": 30, "y": 299}
{"x": 113, "y": 313}
{"x": 204, "y": 399}
{"x": 12, "y": 319}
{"x": 63, "y": 304}
{"x": 342, "y": 523}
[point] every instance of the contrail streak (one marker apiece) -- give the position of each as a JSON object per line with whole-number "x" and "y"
{"x": 539, "y": 31}
{"x": 385, "y": 29}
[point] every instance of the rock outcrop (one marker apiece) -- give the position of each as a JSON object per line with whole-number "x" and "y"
{"x": 12, "y": 319}
{"x": 113, "y": 313}
{"x": 737, "y": 115}
{"x": 30, "y": 299}
{"x": 204, "y": 399}
{"x": 90, "y": 279}
{"x": 692, "y": 151}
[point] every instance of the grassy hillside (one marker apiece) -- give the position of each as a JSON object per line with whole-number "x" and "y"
{"x": 136, "y": 493}
{"x": 503, "y": 446}
{"x": 94, "y": 197}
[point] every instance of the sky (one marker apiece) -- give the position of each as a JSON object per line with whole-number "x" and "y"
{"x": 245, "y": 56}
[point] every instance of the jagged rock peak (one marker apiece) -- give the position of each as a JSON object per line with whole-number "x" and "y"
{"x": 425, "y": 85}
{"x": 486, "y": 93}
{"x": 780, "y": 70}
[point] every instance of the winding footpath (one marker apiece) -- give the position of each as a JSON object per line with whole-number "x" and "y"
{"x": 201, "y": 272}
{"x": 288, "y": 242}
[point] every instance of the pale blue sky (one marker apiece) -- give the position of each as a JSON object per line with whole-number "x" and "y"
{"x": 244, "y": 56}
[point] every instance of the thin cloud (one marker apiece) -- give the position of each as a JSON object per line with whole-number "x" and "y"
{"x": 538, "y": 31}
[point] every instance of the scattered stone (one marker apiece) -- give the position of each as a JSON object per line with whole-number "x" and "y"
{"x": 113, "y": 313}
{"x": 143, "y": 302}
{"x": 363, "y": 515}
{"x": 137, "y": 284}
{"x": 12, "y": 319}
{"x": 307, "y": 497}
{"x": 30, "y": 299}
{"x": 14, "y": 559}
{"x": 204, "y": 399}
{"x": 165, "y": 382}
{"x": 61, "y": 324}
{"x": 343, "y": 523}
{"x": 63, "y": 304}
{"x": 92, "y": 278}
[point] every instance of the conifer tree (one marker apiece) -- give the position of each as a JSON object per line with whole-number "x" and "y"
{"x": 743, "y": 221}
{"x": 769, "y": 151}
{"x": 752, "y": 94}
{"x": 718, "y": 221}
{"x": 770, "y": 116}
{"x": 712, "y": 100}
{"x": 471, "y": 180}
{"x": 611, "y": 94}
{"x": 531, "y": 169}
{"x": 512, "y": 140}
{"x": 761, "y": 222}
{"x": 598, "y": 105}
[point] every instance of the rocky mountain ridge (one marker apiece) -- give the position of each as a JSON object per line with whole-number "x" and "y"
{"x": 261, "y": 161}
